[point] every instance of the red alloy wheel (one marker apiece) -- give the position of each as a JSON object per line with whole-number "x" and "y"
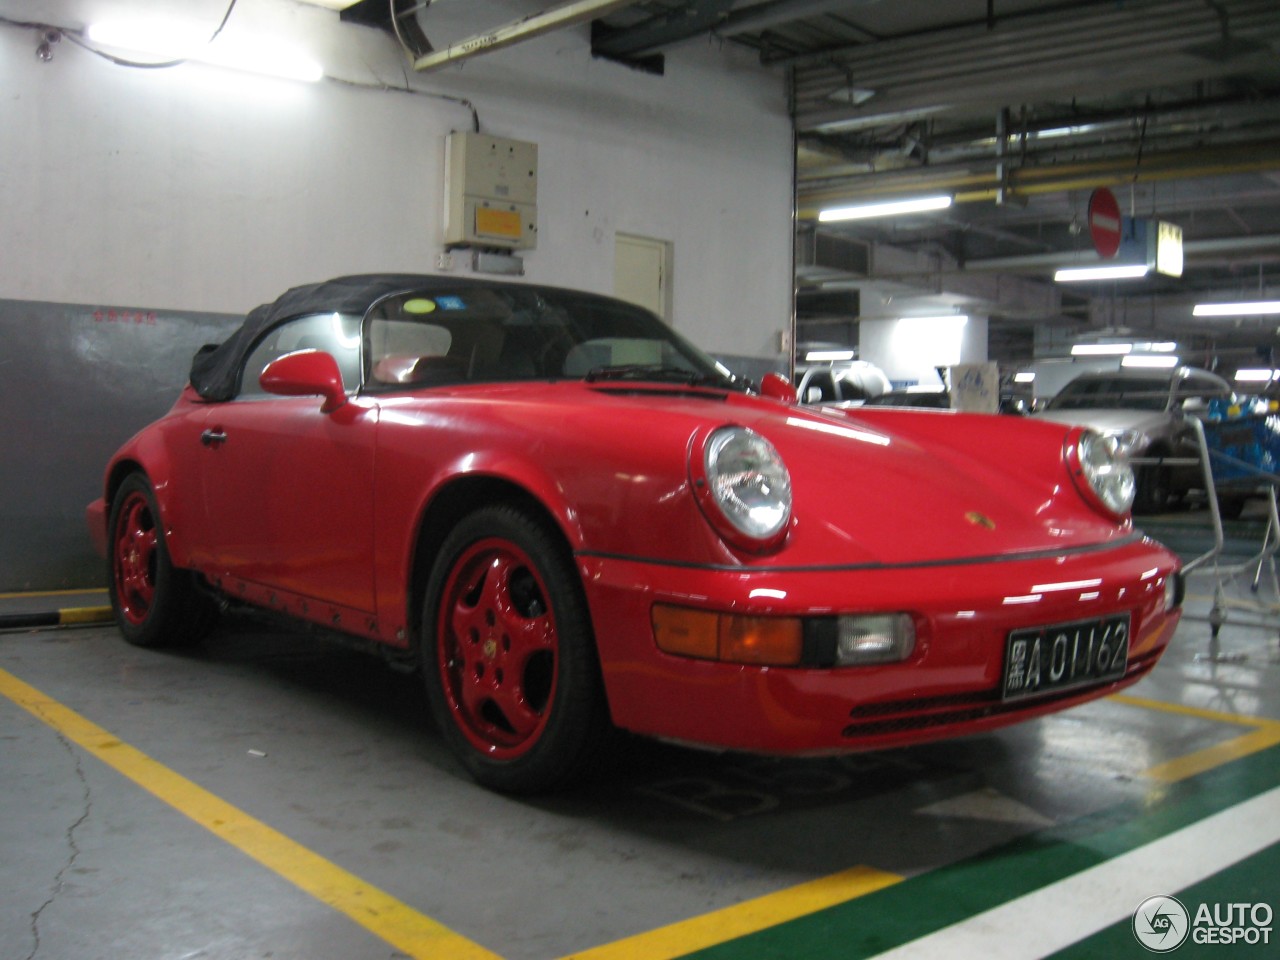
{"x": 134, "y": 545}
{"x": 500, "y": 649}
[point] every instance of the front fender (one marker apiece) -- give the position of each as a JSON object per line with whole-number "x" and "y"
{"x": 415, "y": 511}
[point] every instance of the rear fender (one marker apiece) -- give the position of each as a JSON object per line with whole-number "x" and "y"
{"x": 149, "y": 453}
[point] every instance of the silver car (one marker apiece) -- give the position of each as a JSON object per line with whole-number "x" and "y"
{"x": 1146, "y": 411}
{"x": 821, "y": 380}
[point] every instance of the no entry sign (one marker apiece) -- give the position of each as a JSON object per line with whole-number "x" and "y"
{"x": 1104, "y": 222}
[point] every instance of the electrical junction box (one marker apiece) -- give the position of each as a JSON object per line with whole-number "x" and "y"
{"x": 491, "y": 197}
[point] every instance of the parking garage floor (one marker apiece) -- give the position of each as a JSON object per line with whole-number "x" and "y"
{"x": 263, "y": 795}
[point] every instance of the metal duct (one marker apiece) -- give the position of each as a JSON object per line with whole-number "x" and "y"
{"x": 535, "y": 25}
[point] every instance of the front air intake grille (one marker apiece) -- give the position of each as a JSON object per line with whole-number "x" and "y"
{"x": 904, "y": 716}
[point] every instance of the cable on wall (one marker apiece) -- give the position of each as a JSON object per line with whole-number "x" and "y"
{"x": 77, "y": 37}
{"x": 52, "y": 33}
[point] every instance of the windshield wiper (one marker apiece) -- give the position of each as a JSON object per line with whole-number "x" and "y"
{"x": 652, "y": 371}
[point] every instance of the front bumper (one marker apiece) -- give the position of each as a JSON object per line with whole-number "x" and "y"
{"x": 950, "y": 686}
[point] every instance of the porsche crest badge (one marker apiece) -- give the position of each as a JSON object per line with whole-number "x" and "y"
{"x": 980, "y": 520}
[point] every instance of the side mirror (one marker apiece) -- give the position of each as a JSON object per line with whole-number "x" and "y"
{"x": 306, "y": 373}
{"x": 778, "y": 387}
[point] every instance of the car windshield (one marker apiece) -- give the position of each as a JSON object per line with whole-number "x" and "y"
{"x": 488, "y": 334}
{"x": 1102, "y": 393}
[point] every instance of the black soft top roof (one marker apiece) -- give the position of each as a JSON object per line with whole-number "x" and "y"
{"x": 215, "y": 367}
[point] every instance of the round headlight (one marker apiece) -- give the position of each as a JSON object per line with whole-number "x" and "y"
{"x": 744, "y": 487}
{"x": 1106, "y": 471}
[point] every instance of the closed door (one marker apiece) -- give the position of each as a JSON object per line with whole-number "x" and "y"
{"x": 641, "y": 273}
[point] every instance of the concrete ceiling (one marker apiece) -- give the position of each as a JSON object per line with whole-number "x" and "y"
{"x": 1019, "y": 109}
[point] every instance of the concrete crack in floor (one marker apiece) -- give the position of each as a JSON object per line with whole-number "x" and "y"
{"x": 73, "y": 848}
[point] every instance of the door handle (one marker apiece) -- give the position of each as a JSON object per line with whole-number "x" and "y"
{"x": 213, "y": 437}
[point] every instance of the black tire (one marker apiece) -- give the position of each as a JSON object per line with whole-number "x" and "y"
{"x": 155, "y": 604}
{"x": 1155, "y": 493}
{"x": 508, "y": 654}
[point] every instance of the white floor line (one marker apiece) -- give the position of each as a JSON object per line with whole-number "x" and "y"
{"x": 1063, "y": 913}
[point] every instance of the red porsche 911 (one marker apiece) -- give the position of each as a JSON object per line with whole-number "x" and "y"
{"x": 573, "y": 521}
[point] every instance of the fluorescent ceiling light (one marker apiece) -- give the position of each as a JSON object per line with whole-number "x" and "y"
{"x": 1165, "y": 346}
{"x": 888, "y": 209}
{"x": 1164, "y": 361}
{"x": 185, "y": 40}
{"x": 1101, "y": 349}
{"x": 960, "y": 319}
{"x": 1024, "y": 376}
{"x": 1125, "y": 272}
{"x": 1236, "y": 309}
{"x": 1257, "y": 375}
{"x": 1054, "y": 133}
{"x": 828, "y": 355}
{"x": 170, "y": 39}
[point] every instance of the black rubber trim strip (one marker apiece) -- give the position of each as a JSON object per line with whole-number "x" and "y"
{"x": 1134, "y": 537}
{"x": 11, "y": 621}
{"x": 70, "y": 617}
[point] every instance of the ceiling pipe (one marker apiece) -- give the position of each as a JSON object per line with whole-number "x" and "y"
{"x": 927, "y": 75}
{"x": 1032, "y": 36}
{"x": 526, "y": 28}
{"x": 762, "y": 16}
{"x": 1191, "y": 249}
{"x": 970, "y": 186}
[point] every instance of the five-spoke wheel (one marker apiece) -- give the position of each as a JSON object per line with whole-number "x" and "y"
{"x": 155, "y": 604}
{"x": 508, "y": 653}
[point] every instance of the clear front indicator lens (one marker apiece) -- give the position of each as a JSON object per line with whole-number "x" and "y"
{"x": 748, "y": 482}
{"x": 884, "y": 638}
{"x": 1107, "y": 471}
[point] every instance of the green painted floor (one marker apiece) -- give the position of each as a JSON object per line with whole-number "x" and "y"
{"x": 907, "y": 912}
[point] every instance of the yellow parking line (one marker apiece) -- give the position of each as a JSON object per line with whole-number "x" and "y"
{"x": 75, "y": 616}
{"x": 378, "y": 912}
{"x": 421, "y": 937}
{"x": 705, "y": 931}
{"x": 745, "y": 918}
{"x": 1265, "y": 733}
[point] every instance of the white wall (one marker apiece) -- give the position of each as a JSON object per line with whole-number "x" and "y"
{"x": 909, "y": 350}
{"x": 197, "y": 189}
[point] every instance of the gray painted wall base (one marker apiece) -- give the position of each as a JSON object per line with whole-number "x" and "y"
{"x": 76, "y": 381}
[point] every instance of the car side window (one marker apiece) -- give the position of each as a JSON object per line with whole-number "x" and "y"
{"x": 818, "y": 386}
{"x": 1078, "y": 395}
{"x": 333, "y": 333}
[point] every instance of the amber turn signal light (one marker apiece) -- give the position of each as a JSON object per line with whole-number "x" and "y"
{"x": 763, "y": 641}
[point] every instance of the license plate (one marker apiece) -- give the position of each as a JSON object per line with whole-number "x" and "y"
{"x": 1040, "y": 660}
